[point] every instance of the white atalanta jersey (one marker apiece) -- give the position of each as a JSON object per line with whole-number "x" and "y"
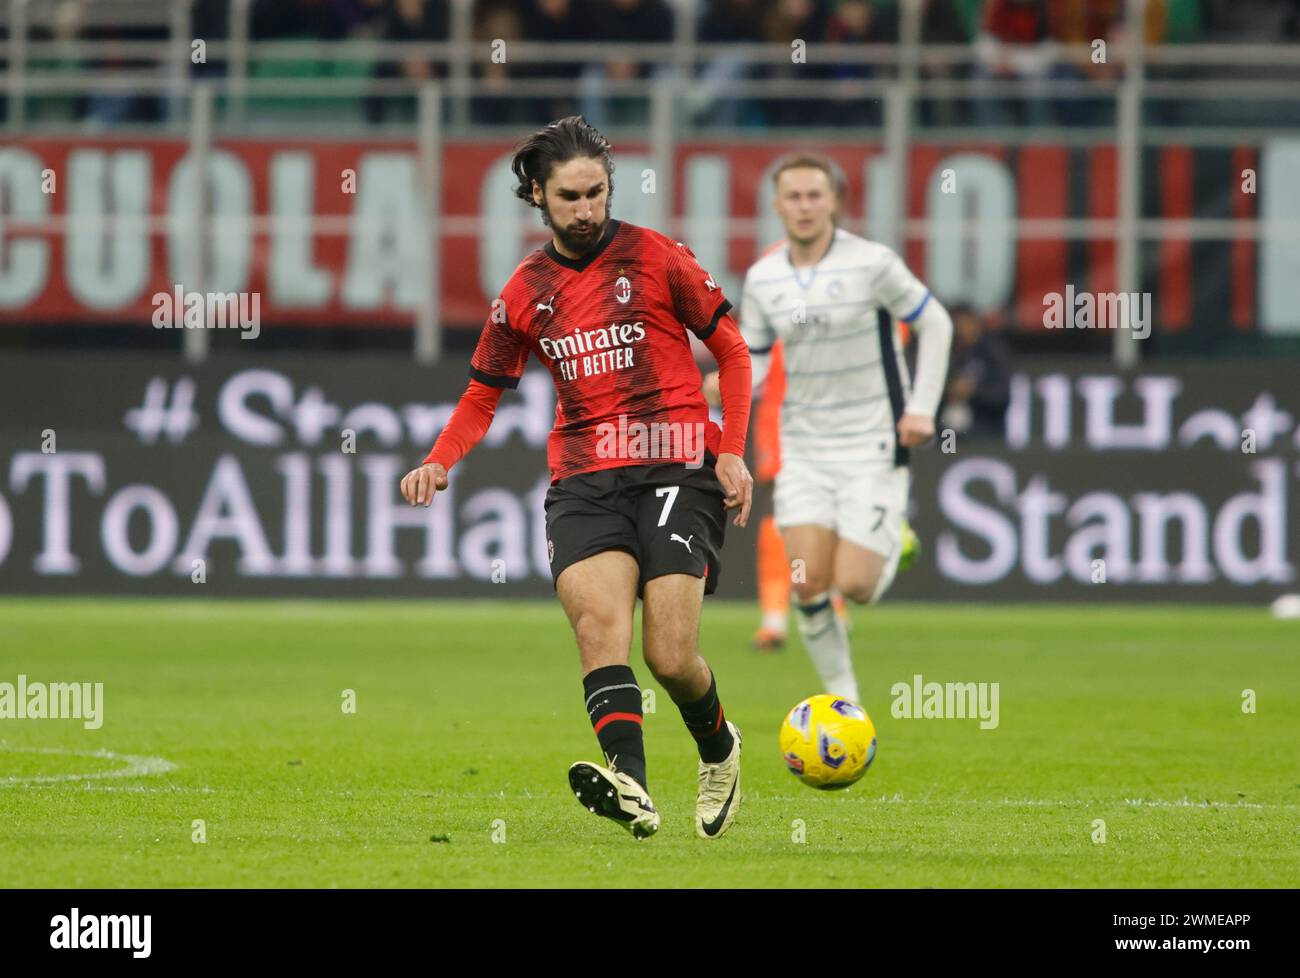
{"x": 846, "y": 378}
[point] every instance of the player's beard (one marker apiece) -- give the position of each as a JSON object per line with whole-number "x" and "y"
{"x": 574, "y": 242}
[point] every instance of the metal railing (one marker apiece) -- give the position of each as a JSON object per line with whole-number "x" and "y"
{"x": 204, "y": 108}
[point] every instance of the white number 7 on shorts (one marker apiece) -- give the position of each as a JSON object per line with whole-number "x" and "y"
{"x": 671, "y": 493}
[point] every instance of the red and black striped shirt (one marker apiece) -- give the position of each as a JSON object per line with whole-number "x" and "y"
{"x": 609, "y": 328}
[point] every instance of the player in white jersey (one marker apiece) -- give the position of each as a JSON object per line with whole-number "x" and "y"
{"x": 850, "y": 412}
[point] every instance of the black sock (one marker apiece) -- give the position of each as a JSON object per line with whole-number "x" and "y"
{"x": 707, "y": 725}
{"x": 614, "y": 705}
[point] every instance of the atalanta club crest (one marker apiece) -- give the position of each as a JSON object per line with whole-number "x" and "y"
{"x": 550, "y": 550}
{"x": 623, "y": 289}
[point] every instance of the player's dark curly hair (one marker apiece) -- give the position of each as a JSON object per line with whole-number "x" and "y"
{"x": 563, "y": 140}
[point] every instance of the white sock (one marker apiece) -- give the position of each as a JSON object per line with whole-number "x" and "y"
{"x": 827, "y": 642}
{"x": 775, "y": 621}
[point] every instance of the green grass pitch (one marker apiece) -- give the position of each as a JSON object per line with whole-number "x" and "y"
{"x": 452, "y": 770}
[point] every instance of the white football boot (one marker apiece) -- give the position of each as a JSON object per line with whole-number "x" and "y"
{"x": 719, "y": 792}
{"x": 615, "y": 795}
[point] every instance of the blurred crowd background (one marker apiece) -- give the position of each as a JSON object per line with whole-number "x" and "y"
{"x": 1135, "y": 146}
{"x": 711, "y": 41}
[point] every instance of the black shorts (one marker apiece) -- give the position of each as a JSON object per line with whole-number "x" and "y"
{"x": 669, "y": 517}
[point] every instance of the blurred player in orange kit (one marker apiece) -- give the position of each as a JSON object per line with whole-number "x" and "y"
{"x": 773, "y": 568}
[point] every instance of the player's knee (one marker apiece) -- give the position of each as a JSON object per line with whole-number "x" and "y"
{"x": 670, "y": 649}
{"x": 669, "y": 667}
{"x": 869, "y": 588}
{"x": 601, "y": 630}
{"x": 859, "y": 590}
{"x": 811, "y": 586}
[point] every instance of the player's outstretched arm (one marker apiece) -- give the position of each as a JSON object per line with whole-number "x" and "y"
{"x": 465, "y": 428}
{"x": 933, "y": 328}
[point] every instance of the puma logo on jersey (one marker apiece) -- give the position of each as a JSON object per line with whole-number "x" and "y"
{"x": 710, "y": 283}
{"x": 549, "y": 305}
{"x": 685, "y": 543}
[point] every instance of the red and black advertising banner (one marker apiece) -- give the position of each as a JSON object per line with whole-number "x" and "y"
{"x": 332, "y": 233}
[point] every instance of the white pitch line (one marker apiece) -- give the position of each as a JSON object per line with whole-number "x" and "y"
{"x": 1059, "y": 803}
{"x": 170, "y": 789}
{"x": 137, "y": 766}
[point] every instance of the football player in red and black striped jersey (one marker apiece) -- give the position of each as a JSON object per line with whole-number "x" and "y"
{"x": 641, "y": 479}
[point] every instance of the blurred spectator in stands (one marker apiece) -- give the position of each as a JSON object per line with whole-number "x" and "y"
{"x": 114, "y": 107}
{"x": 786, "y": 22}
{"x": 861, "y": 22}
{"x": 362, "y": 18}
{"x": 210, "y": 20}
{"x": 1171, "y": 22}
{"x": 1249, "y": 22}
{"x": 879, "y": 22}
{"x": 409, "y": 20}
{"x": 858, "y": 22}
{"x": 63, "y": 29}
{"x": 1244, "y": 21}
{"x": 554, "y": 21}
{"x": 279, "y": 19}
{"x": 1014, "y": 44}
{"x": 417, "y": 20}
{"x": 943, "y": 22}
{"x": 495, "y": 21}
{"x": 726, "y": 22}
{"x": 1086, "y": 22}
{"x": 1174, "y": 21}
{"x": 1167, "y": 22}
{"x": 624, "y": 22}
{"x": 979, "y": 380}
